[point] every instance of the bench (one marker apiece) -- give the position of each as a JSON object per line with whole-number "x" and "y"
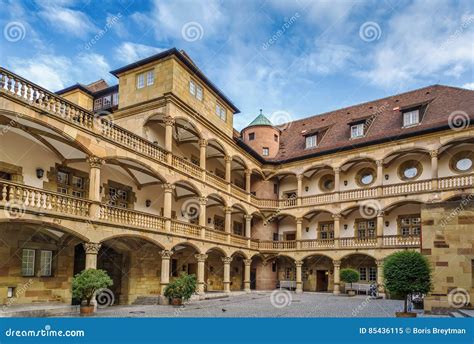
{"x": 358, "y": 287}
{"x": 290, "y": 285}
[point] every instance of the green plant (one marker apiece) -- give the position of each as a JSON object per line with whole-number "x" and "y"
{"x": 87, "y": 282}
{"x": 181, "y": 288}
{"x": 405, "y": 273}
{"x": 349, "y": 276}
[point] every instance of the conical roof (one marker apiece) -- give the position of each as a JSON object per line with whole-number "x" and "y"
{"x": 261, "y": 120}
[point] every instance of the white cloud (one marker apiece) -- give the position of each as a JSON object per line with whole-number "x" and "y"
{"x": 424, "y": 40}
{"x": 129, "y": 52}
{"x": 328, "y": 58}
{"x": 66, "y": 20}
{"x": 469, "y": 85}
{"x": 56, "y": 72}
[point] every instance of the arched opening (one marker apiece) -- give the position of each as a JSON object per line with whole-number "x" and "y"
{"x": 185, "y": 205}
{"x": 407, "y": 165}
{"x": 214, "y": 270}
{"x": 237, "y": 272}
{"x": 215, "y": 212}
{"x": 403, "y": 219}
{"x": 318, "y": 224}
{"x": 365, "y": 265}
{"x": 237, "y": 175}
{"x": 238, "y": 219}
{"x": 456, "y": 158}
{"x": 358, "y": 173}
{"x": 317, "y": 180}
{"x": 215, "y": 158}
{"x": 317, "y": 273}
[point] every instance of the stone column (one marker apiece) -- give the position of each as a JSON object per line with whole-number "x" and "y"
{"x": 337, "y": 279}
{"x": 228, "y": 219}
{"x": 95, "y": 164}
{"x": 299, "y": 280}
{"x": 434, "y": 169}
{"x": 248, "y": 175}
{"x": 299, "y": 230}
{"x": 380, "y": 286}
{"x": 168, "y": 199}
{"x": 379, "y": 180}
{"x": 202, "y": 155}
{"x": 380, "y": 224}
{"x": 169, "y": 123}
{"x": 248, "y": 226}
{"x": 201, "y": 261}
{"x": 227, "y": 261}
{"x": 337, "y": 230}
{"x": 202, "y": 216}
{"x": 299, "y": 191}
{"x": 92, "y": 250}
{"x": 247, "y": 265}
{"x": 337, "y": 179}
{"x": 228, "y": 166}
{"x": 165, "y": 269}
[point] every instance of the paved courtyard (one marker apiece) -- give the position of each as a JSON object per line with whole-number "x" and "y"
{"x": 266, "y": 304}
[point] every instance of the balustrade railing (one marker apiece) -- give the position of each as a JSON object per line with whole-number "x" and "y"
{"x": 401, "y": 241}
{"x": 277, "y": 245}
{"x": 17, "y": 198}
{"x": 186, "y": 166}
{"x": 318, "y": 199}
{"x": 238, "y": 240}
{"x": 238, "y": 191}
{"x": 317, "y": 243}
{"x": 131, "y": 217}
{"x": 215, "y": 180}
{"x": 216, "y": 235}
{"x": 357, "y": 242}
{"x": 358, "y": 194}
{"x": 456, "y": 182}
{"x": 186, "y": 229}
{"x": 405, "y": 188}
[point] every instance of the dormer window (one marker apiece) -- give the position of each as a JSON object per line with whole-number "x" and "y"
{"x": 195, "y": 90}
{"x": 251, "y": 136}
{"x": 411, "y": 117}
{"x": 311, "y": 141}
{"x": 357, "y": 130}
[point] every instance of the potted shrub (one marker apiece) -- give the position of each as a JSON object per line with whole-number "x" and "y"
{"x": 407, "y": 273}
{"x": 350, "y": 276}
{"x": 181, "y": 289}
{"x": 85, "y": 284}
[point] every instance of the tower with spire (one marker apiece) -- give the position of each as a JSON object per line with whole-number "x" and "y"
{"x": 262, "y": 136}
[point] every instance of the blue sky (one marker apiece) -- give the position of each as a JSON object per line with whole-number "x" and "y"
{"x": 291, "y": 58}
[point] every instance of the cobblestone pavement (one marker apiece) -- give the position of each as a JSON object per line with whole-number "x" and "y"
{"x": 266, "y": 304}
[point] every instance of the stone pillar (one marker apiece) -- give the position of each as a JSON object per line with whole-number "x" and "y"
{"x": 299, "y": 192}
{"x": 201, "y": 261}
{"x": 299, "y": 280}
{"x": 337, "y": 230}
{"x": 380, "y": 224}
{"x": 379, "y": 180}
{"x": 380, "y": 286}
{"x": 165, "y": 269}
{"x": 228, "y": 219}
{"x": 227, "y": 261}
{"x": 299, "y": 230}
{"x": 434, "y": 169}
{"x": 247, "y": 265}
{"x": 337, "y": 179}
{"x": 228, "y": 167}
{"x": 95, "y": 165}
{"x": 248, "y": 226}
{"x": 168, "y": 198}
{"x": 337, "y": 279}
{"x": 248, "y": 176}
{"x": 202, "y": 216}
{"x": 202, "y": 153}
{"x": 169, "y": 123}
{"x": 92, "y": 250}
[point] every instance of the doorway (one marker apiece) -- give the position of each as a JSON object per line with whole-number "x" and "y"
{"x": 322, "y": 279}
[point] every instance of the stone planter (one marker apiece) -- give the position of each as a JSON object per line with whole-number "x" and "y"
{"x": 86, "y": 310}
{"x": 405, "y": 315}
{"x": 176, "y": 301}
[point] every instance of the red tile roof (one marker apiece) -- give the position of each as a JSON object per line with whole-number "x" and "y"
{"x": 385, "y": 117}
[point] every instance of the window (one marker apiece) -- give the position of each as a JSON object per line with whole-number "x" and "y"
{"x": 411, "y": 118}
{"x": 28, "y": 262}
{"x": 70, "y": 184}
{"x": 199, "y": 92}
{"x": 238, "y": 228}
{"x": 275, "y": 137}
{"x": 326, "y": 183}
{"x": 311, "y": 141}
{"x": 409, "y": 224}
{"x": 107, "y": 101}
{"x": 251, "y": 136}
{"x": 326, "y": 230}
{"x": 363, "y": 274}
{"x": 195, "y": 90}
{"x": 372, "y": 273}
{"x": 410, "y": 170}
{"x": 275, "y": 188}
{"x": 98, "y": 104}
{"x": 140, "y": 81}
{"x": 365, "y": 228}
{"x": 46, "y": 258}
{"x": 118, "y": 197}
{"x": 115, "y": 97}
{"x": 219, "y": 223}
{"x": 150, "y": 78}
{"x": 192, "y": 88}
{"x": 357, "y": 130}
{"x": 365, "y": 177}
{"x": 221, "y": 113}
{"x": 265, "y": 151}
{"x": 462, "y": 162}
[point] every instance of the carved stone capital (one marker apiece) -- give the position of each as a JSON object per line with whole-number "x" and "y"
{"x": 434, "y": 153}
{"x": 336, "y": 263}
{"x": 247, "y": 262}
{"x": 227, "y": 260}
{"x": 299, "y": 263}
{"x": 227, "y": 158}
{"x": 300, "y": 177}
{"x": 228, "y": 210}
{"x": 168, "y": 120}
{"x": 379, "y": 163}
{"x": 248, "y": 217}
{"x": 202, "y": 200}
{"x": 202, "y": 142}
{"x": 201, "y": 257}
{"x": 95, "y": 162}
{"x": 167, "y": 187}
{"x": 299, "y": 220}
{"x": 248, "y": 172}
{"x": 91, "y": 247}
{"x": 379, "y": 262}
{"x": 337, "y": 169}
{"x": 380, "y": 213}
{"x": 336, "y": 216}
{"x": 166, "y": 254}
